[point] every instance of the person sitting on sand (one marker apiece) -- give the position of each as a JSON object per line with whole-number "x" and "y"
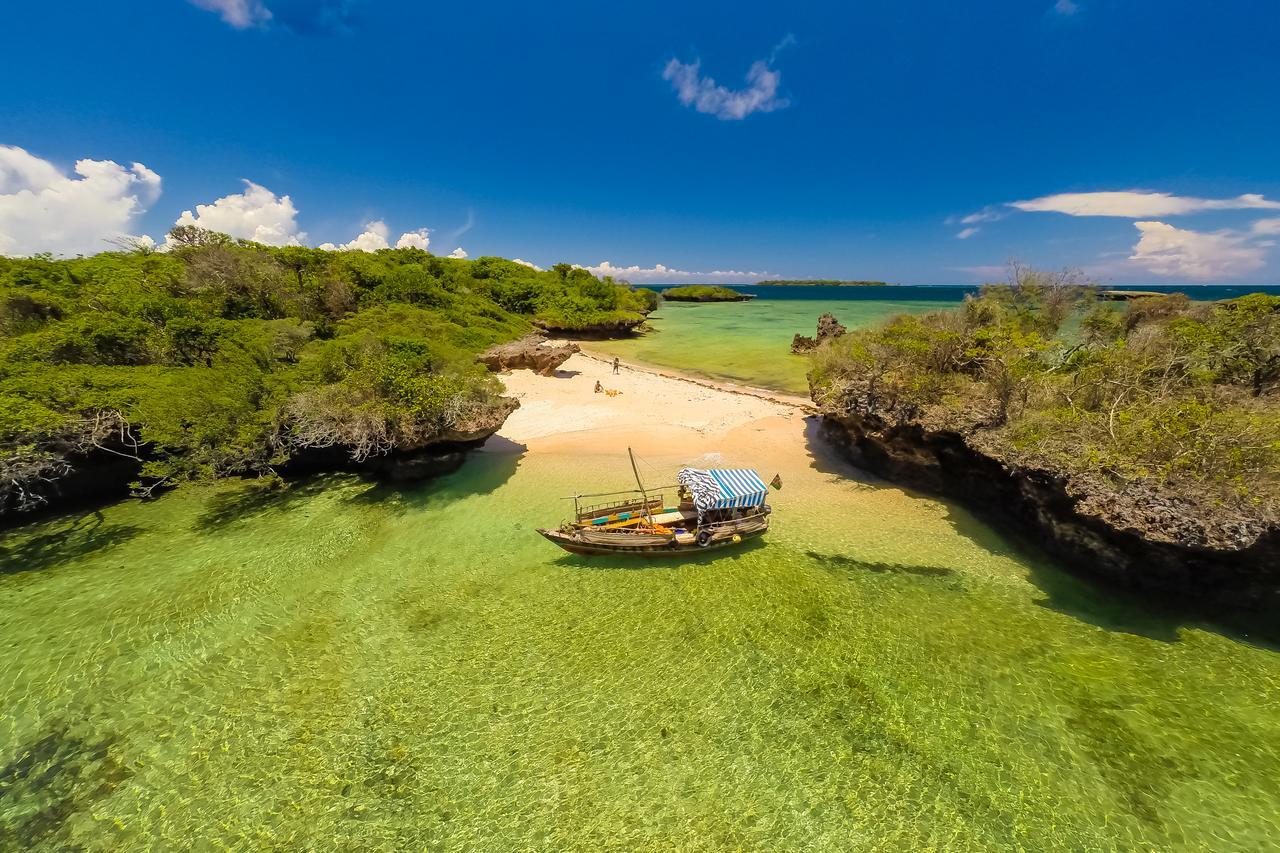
{"x": 599, "y": 387}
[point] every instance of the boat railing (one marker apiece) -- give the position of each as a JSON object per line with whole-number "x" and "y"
{"x": 656, "y": 502}
{"x": 633, "y": 499}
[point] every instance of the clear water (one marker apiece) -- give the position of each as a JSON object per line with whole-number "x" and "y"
{"x": 339, "y": 666}
{"x": 750, "y": 342}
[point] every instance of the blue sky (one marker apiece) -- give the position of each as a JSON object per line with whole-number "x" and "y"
{"x": 882, "y": 139}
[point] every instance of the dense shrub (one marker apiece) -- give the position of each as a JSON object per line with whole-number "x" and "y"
{"x": 1164, "y": 390}
{"x": 224, "y": 356}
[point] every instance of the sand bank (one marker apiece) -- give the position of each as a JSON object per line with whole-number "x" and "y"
{"x": 654, "y": 409}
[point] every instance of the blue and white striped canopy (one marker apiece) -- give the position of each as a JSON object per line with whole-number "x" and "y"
{"x": 723, "y": 488}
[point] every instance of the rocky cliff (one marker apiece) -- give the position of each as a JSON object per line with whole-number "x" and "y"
{"x": 1137, "y": 536}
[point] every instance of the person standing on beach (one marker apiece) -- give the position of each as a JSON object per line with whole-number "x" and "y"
{"x": 615, "y": 365}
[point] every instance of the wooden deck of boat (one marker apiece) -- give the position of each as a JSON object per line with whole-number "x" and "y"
{"x": 666, "y": 519}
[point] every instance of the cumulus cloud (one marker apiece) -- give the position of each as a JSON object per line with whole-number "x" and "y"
{"x": 373, "y": 238}
{"x": 1165, "y": 250}
{"x": 705, "y": 95}
{"x": 458, "y": 253}
{"x": 663, "y": 273}
{"x": 1138, "y": 204}
{"x": 256, "y": 214}
{"x": 528, "y": 264}
{"x": 42, "y": 209}
{"x": 240, "y": 14}
{"x": 1269, "y": 227}
{"x": 419, "y": 239}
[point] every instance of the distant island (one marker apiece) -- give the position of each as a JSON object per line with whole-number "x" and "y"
{"x": 826, "y": 282}
{"x": 705, "y": 293}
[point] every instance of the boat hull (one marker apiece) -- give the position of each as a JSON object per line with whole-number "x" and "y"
{"x": 576, "y": 545}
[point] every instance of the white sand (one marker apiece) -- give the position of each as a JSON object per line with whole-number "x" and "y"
{"x": 655, "y": 410}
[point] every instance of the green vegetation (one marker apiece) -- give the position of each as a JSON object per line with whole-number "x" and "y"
{"x": 828, "y": 282}
{"x": 570, "y": 299}
{"x": 1165, "y": 392}
{"x": 225, "y": 356}
{"x": 703, "y": 293}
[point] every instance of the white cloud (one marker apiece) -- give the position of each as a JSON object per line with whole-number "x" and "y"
{"x": 238, "y": 13}
{"x": 1066, "y": 7}
{"x": 458, "y": 253}
{"x": 42, "y": 209}
{"x": 987, "y": 214}
{"x": 707, "y": 96}
{"x": 256, "y": 214}
{"x": 662, "y": 273}
{"x": 1165, "y": 250}
{"x": 373, "y": 238}
{"x": 419, "y": 239}
{"x": 1266, "y": 226}
{"x": 528, "y": 264}
{"x": 1138, "y": 204}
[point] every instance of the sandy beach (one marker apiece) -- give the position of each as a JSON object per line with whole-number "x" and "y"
{"x": 653, "y": 411}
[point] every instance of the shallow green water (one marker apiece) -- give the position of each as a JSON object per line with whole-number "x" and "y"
{"x": 344, "y": 667}
{"x": 750, "y": 342}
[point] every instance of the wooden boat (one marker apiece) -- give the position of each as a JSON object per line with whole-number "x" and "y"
{"x": 706, "y": 510}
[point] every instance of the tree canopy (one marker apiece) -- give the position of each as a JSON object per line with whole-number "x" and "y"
{"x": 224, "y": 356}
{"x": 1179, "y": 394}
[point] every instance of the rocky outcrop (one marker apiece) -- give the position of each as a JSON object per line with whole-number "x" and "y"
{"x": 479, "y": 426}
{"x": 1134, "y": 536}
{"x": 99, "y": 476}
{"x": 532, "y": 352}
{"x": 829, "y": 328}
{"x": 435, "y": 454}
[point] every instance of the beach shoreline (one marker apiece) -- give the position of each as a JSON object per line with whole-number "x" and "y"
{"x": 653, "y": 410}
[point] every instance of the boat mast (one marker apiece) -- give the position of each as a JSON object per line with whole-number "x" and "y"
{"x": 643, "y": 495}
